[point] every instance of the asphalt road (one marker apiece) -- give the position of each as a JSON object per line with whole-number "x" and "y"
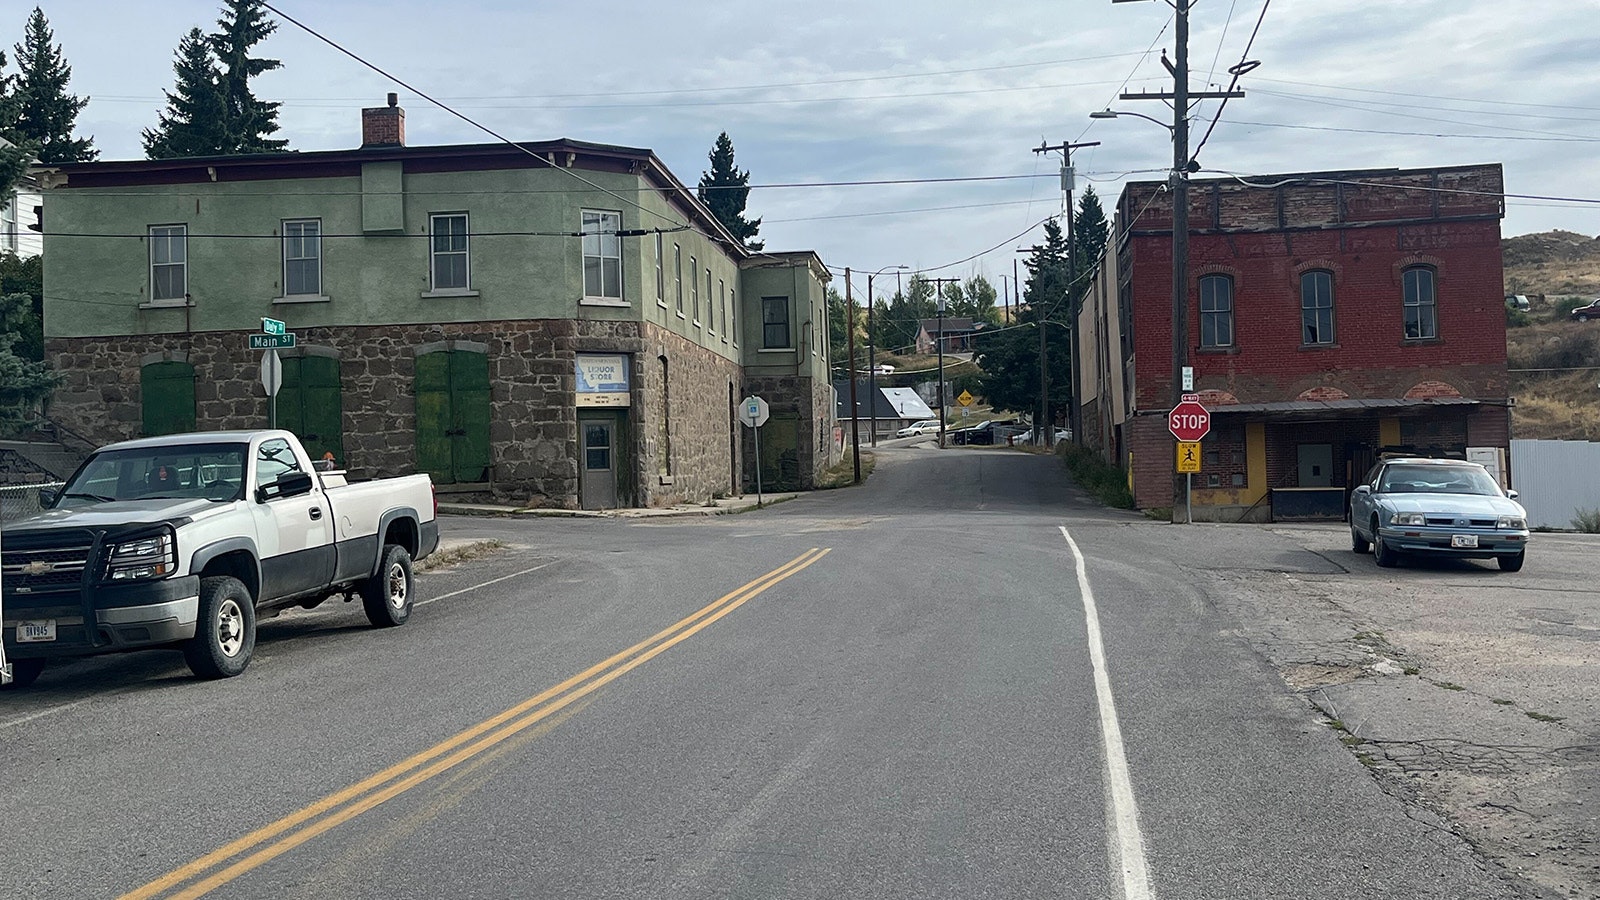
{"x": 898, "y": 690}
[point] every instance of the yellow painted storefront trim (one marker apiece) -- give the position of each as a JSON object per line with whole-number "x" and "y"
{"x": 1255, "y": 482}
{"x": 1388, "y": 432}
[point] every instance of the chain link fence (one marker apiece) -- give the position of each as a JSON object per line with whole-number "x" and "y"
{"x": 18, "y": 500}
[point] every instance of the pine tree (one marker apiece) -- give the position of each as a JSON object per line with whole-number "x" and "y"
{"x": 23, "y": 382}
{"x": 1009, "y": 357}
{"x": 192, "y": 124}
{"x": 44, "y": 112}
{"x": 244, "y": 24}
{"x": 725, "y": 189}
{"x": 13, "y": 159}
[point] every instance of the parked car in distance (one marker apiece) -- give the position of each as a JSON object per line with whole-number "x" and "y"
{"x": 922, "y": 426}
{"x": 1587, "y": 312}
{"x": 1518, "y": 302}
{"x": 981, "y": 433}
{"x": 1062, "y": 434}
{"x": 1437, "y": 507}
{"x": 883, "y": 369}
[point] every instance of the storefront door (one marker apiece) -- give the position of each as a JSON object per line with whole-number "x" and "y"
{"x": 598, "y": 464}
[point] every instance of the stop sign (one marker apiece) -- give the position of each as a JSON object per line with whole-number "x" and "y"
{"x": 1189, "y": 421}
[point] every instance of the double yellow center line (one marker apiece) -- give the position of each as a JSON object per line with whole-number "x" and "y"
{"x": 264, "y": 844}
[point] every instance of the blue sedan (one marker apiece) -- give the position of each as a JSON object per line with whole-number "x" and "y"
{"x": 1440, "y": 507}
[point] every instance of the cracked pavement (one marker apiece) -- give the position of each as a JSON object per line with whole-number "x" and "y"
{"x": 1468, "y": 692}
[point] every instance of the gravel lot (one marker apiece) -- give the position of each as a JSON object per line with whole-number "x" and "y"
{"x": 1468, "y": 691}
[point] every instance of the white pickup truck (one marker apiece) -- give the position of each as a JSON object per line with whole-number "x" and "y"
{"x": 180, "y": 541}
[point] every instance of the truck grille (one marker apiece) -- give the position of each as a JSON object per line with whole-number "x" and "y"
{"x": 48, "y": 565}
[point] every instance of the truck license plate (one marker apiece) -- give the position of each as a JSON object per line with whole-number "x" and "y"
{"x": 36, "y": 630}
{"x": 1463, "y": 540}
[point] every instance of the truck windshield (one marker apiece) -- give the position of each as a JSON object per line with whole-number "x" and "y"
{"x": 190, "y": 471}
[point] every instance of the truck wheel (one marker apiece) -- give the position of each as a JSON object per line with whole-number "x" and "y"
{"x": 25, "y": 672}
{"x": 225, "y": 634}
{"x": 387, "y": 595}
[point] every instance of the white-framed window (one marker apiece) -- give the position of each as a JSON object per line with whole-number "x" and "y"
{"x": 8, "y": 224}
{"x": 449, "y": 261}
{"x": 694, "y": 289}
{"x": 722, "y": 301}
{"x": 169, "y": 262}
{"x": 677, "y": 275}
{"x": 711, "y": 307}
{"x": 775, "y": 323}
{"x": 1421, "y": 306}
{"x": 302, "y": 257}
{"x": 733, "y": 323}
{"x": 602, "y": 254}
{"x": 661, "y": 271}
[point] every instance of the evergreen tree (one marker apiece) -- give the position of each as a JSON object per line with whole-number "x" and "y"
{"x": 13, "y": 159}
{"x": 1009, "y": 358}
{"x": 23, "y": 382}
{"x": 725, "y": 190}
{"x": 244, "y": 24}
{"x": 44, "y": 113}
{"x": 192, "y": 124}
{"x": 1090, "y": 231}
{"x": 25, "y": 275}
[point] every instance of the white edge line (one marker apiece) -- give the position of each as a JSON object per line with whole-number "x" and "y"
{"x": 485, "y": 584}
{"x": 11, "y": 723}
{"x": 1125, "y": 812}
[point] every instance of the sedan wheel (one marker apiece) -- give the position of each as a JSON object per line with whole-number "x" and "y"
{"x": 1358, "y": 544}
{"x": 1512, "y": 563}
{"x": 1382, "y": 553}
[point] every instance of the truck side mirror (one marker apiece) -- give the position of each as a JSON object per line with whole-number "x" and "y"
{"x": 48, "y": 498}
{"x": 289, "y": 484}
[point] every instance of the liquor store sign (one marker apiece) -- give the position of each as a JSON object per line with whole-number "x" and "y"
{"x": 603, "y": 380}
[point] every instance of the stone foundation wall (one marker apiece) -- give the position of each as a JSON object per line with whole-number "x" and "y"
{"x": 533, "y": 419}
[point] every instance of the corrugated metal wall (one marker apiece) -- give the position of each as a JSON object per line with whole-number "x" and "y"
{"x": 1555, "y": 479}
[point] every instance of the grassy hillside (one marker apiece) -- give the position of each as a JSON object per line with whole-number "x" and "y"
{"x": 1557, "y": 270}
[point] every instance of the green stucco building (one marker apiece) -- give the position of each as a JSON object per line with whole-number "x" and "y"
{"x": 553, "y": 324}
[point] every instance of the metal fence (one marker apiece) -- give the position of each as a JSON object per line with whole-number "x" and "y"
{"x": 1554, "y": 480}
{"x": 18, "y": 500}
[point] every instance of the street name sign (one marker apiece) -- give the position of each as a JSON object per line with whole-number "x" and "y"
{"x": 272, "y": 326}
{"x": 271, "y": 341}
{"x": 1189, "y": 421}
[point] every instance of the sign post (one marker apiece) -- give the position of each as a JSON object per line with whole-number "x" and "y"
{"x": 753, "y": 413}
{"x": 1189, "y": 422}
{"x": 5, "y": 667}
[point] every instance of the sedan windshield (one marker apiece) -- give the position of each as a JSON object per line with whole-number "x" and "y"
{"x": 1438, "y": 480}
{"x": 192, "y": 471}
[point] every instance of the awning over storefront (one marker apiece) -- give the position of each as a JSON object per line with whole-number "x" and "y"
{"x": 1321, "y": 410}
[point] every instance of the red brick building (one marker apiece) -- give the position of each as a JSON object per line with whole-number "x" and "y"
{"x": 1330, "y": 314}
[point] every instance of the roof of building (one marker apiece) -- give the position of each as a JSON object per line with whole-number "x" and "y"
{"x": 891, "y": 403}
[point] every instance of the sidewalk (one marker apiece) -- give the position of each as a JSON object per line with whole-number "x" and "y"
{"x": 723, "y": 507}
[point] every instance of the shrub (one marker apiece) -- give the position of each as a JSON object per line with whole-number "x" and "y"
{"x": 1516, "y": 318}
{"x": 1587, "y": 521}
{"x": 1106, "y": 482}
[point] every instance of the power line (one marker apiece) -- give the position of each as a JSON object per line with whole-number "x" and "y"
{"x": 1427, "y": 134}
{"x": 1236, "y": 71}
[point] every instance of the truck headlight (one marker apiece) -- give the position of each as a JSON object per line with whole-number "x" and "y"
{"x": 155, "y": 556}
{"x": 1408, "y": 519}
{"x": 1513, "y": 523}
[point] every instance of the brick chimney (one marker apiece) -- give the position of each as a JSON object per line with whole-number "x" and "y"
{"x": 384, "y": 126}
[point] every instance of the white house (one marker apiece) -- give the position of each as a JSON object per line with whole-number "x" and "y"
{"x": 17, "y": 213}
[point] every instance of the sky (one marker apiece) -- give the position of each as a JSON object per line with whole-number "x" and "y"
{"x": 883, "y": 134}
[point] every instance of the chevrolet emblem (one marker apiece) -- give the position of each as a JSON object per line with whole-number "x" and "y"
{"x": 39, "y": 567}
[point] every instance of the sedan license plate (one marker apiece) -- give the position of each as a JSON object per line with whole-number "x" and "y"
{"x": 36, "y": 630}
{"x": 1464, "y": 540}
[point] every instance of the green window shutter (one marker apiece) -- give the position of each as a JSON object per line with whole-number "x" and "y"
{"x": 469, "y": 402}
{"x": 166, "y": 398}
{"x": 311, "y": 404}
{"x": 432, "y": 384}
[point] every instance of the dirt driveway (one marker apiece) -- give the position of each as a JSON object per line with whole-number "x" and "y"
{"x": 1474, "y": 694}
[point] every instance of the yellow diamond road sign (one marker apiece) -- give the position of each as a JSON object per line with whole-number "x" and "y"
{"x": 965, "y": 399}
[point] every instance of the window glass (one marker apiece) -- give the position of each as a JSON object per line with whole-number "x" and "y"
{"x": 1216, "y": 311}
{"x": 597, "y": 447}
{"x": 661, "y": 271}
{"x": 677, "y": 275}
{"x": 302, "y": 257}
{"x": 1422, "y": 312}
{"x": 694, "y": 290}
{"x": 169, "y": 258}
{"x": 449, "y": 252}
{"x": 774, "y": 322}
{"x": 1316, "y": 307}
{"x": 602, "y": 254}
{"x": 273, "y": 458}
{"x": 711, "y": 305}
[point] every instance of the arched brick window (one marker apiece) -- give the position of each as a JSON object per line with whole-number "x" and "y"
{"x": 1216, "y": 311}
{"x": 1421, "y": 307}
{"x": 1316, "y": 307}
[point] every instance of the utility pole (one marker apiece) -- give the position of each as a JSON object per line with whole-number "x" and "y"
{"x": 850, "y": 339}
{"x": 1180, "y": 96}
{"x": 938, "y": 342}
{"x": 1067, "y": 177}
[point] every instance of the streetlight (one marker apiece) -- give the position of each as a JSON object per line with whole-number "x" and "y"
{"x": 872, "y": 353}
{"x": 1119, "y": 113}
